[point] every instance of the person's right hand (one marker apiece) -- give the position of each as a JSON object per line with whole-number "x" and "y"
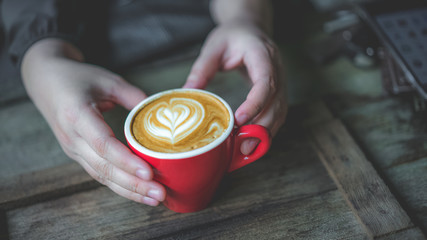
{"x": 71, "y": 95}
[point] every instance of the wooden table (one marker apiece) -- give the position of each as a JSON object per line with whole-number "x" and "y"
{"x": 346, "y": 165}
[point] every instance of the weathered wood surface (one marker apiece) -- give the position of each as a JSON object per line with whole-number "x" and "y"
{"x": 27, "y": 144}
{"x": 409, "y": 181}
{"x": 111, "y": 217}
{"x": 287, "y": 173}
{"x": 33, "y": 166}
{"x": 388, "y": 129}
{"x": 411, "y": 233}
{"x": 394, "y": 138}
{"x": 328, "y": 218}
{"x": 42, "y": 185}
{"x": 371, "y": 200}
{"x": 287, "y": 193}
{"x": 315, "y": 113}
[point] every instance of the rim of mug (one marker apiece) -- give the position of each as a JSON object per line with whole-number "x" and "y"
{"x": 179, "y": 155}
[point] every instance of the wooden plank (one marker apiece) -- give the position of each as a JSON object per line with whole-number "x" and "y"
{"x": 325, "y": 216}
{"x": 392, "y": 134}
{"x": 412, "y": 233}
{"x": 409, "y": 181}
{"x": 317, "y": 113}
{"x": 50, "y": 183}
{"x": 289, "y": 172}
{"x": 370, "y": 199}
{"x": 27, "y": 143}
{"x": 102, "y": 214}
{"x": 388, "y": 130}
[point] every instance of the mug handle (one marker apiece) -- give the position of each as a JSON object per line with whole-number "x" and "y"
{"x": 249, "y": 131}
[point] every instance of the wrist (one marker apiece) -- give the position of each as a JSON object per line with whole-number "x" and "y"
{"x": 253, "y": 13}
{"x": 38, "y": 59}
{"x": 253, "y": 26}
{"x": 50, "y": 48}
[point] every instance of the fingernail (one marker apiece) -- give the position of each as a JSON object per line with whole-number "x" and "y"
{"x": 143, "y": 174}
{"x": 248, "y": 146}
{"x": 156, "y": 194}
{"x": 241, "y": 119}
{"x": 150, "y": 201}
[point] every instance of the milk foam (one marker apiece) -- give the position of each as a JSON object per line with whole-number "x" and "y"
{"x": 180, "y": 122}
{"x": 174, "y": 120}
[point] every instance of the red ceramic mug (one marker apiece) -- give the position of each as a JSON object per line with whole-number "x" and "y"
{"x": 191, "y": 178}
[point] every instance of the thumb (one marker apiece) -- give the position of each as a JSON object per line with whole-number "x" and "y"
{"x": 204, "y": 68}
{"x": 128, "y": 95}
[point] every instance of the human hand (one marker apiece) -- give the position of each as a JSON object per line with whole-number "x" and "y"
{"x": 242, "y": 45}
{"x": 71, "y": 95}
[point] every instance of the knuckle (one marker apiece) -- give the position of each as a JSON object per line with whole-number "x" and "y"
{"x": 138, "y": 187}
{"x": 272, "y": 49}
{"x": 261, "y": 54}
{"x": 105, "y": 172}
{"x": 64, "y": 138}
{"x": 101, "y": 146}
{"x": 256, "y": 106}
{"x": 71, "y": 114}
{"x": 271, "y": 84}
{"x": 268, "y": 86}
{"x": 117, "y": 81}
{"x": 117, "y": 78}
{"x": 196, "y": 69}
{"x": 99, "y": 178}
{"x": 125, "y": 164}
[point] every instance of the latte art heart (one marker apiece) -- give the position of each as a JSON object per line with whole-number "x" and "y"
{"x": 180, "y": 121}
{"x": 175, "y": 120}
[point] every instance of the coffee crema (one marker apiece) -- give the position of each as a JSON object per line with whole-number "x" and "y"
{"x": 180, "y": 122}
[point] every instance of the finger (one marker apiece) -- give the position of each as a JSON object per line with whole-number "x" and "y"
{"x": 106, "y": 173}
{"x": 248, "y": 146}
{"x": 205, "y": 66}
{"x": 269, "y": 119}
{"x": 274, "y": 113}
{"x": 272, "y": 117}
{"x": 255, "y": 102}
{"x": 261, "y": 72}
{"x": 127, "y": 95}
{"x": 99, "y": 136}
{"x": 134, "y": 196}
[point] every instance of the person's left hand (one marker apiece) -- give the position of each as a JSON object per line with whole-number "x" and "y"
{"x": 243, "y": 45}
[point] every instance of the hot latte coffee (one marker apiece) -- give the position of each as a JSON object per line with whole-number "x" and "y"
{"x": 180, "y": 121}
